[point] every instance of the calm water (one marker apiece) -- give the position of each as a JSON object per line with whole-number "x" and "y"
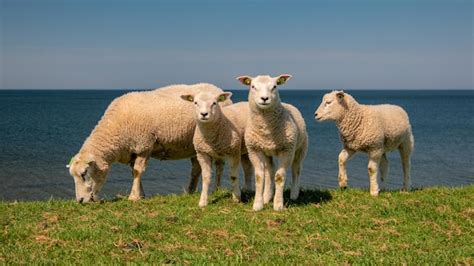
{"x": 41, "y": 130}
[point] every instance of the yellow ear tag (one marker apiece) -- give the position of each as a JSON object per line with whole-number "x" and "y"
{"x": 70, "y": 162}
{"x": 221, "y": 98}
{"x": 247, "y": 81}
{"x": 190, "y": 98}
{"x": 281, "y": 81}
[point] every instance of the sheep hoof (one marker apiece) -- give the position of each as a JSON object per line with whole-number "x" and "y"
{"x": 202, "y": 204}
{"x": 235, "y": 198}
{"x": 374, "y": 193}
{"x": 134, "y": 198}
{"x": 257, "y": 206}
{"x": 294, "y": 194}
{"x": 343, "y": 187}
{"x": 278, "y": 207}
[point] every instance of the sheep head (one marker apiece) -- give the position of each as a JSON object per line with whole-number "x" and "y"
{"x": 263, "y": 89}
{"x": 88, "y": 178}
{"x": 332, "y": 106}
{"x": 207, "y": 105}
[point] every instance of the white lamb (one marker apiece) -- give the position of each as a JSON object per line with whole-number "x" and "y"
{"x": 374, "y": 129}
{"x": 135, "y": 127}
{"x": 274, "y": 129}
{"x": 219, "y": 135}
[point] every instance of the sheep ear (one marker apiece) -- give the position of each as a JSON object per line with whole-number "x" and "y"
{"x": 340, "y": 95}
{"x": 246, "y": 80}
{"x": 188, "y": 97}
{"x": 283, "y": 78}
{"x": 71, "y": 161}
{"x": 224, "y": 96}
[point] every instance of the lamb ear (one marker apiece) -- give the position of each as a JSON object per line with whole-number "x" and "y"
{"x": 224, "y": 96}
{"x": 246, "y": 80}
{"x": 187, "y": 97}
{"x": 282, "y": 79}
{"x": 340, "y": 95}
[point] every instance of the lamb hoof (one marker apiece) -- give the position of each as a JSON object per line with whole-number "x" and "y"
{"x": 267, "y": 199}
{"x": 202, "y": 204}
{"x": 134, "y": 198}
{"x": 257, "y": 206}
{"x": 278, "y": 206}
{"x": 294, "y": 194}
{"x": 374, "y": 193}
{"x": 342, "y": 187}
{"x": 235, "y": 198}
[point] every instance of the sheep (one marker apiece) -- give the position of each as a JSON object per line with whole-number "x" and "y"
{"x": 135, "y": 127}
{"x": 219, "y": 134}
{"x": 274, "y": 129}
{"x": 374, "y": 129}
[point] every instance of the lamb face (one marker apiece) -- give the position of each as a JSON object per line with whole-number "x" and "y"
{"x": 263, "y": 89}
{"x": 88, "y": 179}
{"x": 331, "y": 108}
{"x": 206, "y": 105}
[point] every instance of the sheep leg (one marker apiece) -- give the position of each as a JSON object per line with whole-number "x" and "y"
{"x": 268, "y": 188}
{"x": 405, "y": 154}
{"x": 205, "y": 162}
{"x": 195, "y": 173}
{"x": 234, "y": 177}
{"x": 344, "y": 156}
{"x": 373, "y": 169}
{"x": 284, "y": 161}
{"x": 219, "y": 170}
{"x": 139, "y": 166}
{"x": 248, "y": 172}
{"x": 258, "y": 162}
{"x": 383, "y": 168}
{"x": 295, "y": 174}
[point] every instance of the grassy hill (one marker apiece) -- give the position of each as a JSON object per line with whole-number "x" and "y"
{"x": 432, "y": 226}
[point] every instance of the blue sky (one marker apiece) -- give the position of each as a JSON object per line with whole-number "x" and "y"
{"x": 385, "y": 44}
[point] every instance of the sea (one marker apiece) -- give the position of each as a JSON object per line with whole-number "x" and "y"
{"x": 40, "y": 130}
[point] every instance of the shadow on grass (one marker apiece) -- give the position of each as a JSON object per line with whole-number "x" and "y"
{"x": 307, "y": 196}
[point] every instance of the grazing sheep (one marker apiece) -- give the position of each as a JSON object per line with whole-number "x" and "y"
{"x": 135, "y": 127}
{"x": 274, "y": 129}
{"x": 219, "y": 135}
{"x": 374, "y": 129}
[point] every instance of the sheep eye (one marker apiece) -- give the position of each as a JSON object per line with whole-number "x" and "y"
{"x": 195, "y": 103}
{"x": 214, "y": 103}
{"x": 253, "y": 87}
{"x": 274, "y": 87}
{"x": 328, "y": 102}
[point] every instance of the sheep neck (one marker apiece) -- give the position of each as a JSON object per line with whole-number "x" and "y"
{"x": 212, "y": 131}
{"x": 262, "y": 118}
{"x": 102, "y": 146}
{"x": 350, "y": 122}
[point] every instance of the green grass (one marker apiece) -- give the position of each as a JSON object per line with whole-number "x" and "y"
{"x": 428, "y": 226}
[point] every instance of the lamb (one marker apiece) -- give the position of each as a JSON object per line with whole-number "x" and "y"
{"x": 219, "y": 134}
{"x": 135, "y": 127}
{"x": 374, "y": 129}
{"x": 274, "y": 129}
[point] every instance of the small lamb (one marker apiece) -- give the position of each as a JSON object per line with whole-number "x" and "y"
{"x": 374, "y": 129}
{"x": 219, "y": 134}
{"x": 274, "y": 129}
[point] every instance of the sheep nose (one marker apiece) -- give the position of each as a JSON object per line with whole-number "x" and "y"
{"x": 80, "y": 200}
{"x": 204, "y": 114}
{"x": 264, "y": 99}
{"x": 315, "y": 114}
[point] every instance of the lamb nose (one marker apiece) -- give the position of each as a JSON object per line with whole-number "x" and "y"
{"x": 81, "y": 200}
{"x": 204, "y": 114}
{"x": 264, "y": 98}
{"x": 315, "y": 114}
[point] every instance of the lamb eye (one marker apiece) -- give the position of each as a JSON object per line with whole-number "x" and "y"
{"x": 253, "y": 87}
{"x": 274, "y": 87}
{"x": 195, "y": 103}
{"x": 214, "y": 103}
